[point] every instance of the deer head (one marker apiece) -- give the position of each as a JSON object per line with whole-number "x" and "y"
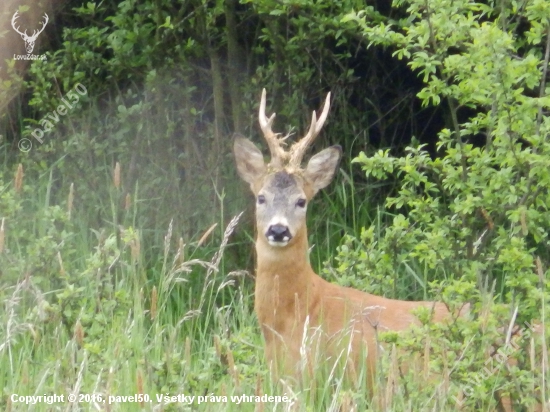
{"x": 29, "y": 40}
{"x": 283, "y": 188}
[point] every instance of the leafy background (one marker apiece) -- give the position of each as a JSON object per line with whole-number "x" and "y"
{"x": 122, "y": 269}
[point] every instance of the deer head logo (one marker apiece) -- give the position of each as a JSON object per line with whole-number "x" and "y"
{"x": 29, "y": 40}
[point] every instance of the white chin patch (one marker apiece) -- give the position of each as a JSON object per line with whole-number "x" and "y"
{"x": 271, "y": 240}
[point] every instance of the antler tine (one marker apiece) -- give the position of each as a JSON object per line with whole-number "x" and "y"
{"x": 13, "y": 22}
{"x": 274, "y": 143}
{"x": 46, "y": 20}
{"x": 299, "y": 148}
{"x": 35, "y": 33}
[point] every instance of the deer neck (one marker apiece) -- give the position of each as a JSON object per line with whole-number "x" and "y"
{"x": 288, "y": 266}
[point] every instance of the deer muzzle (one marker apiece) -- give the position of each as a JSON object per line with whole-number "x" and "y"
{"x": 278, "y": 235}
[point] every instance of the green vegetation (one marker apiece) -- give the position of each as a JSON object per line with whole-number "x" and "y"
{"x": 126, "y": 266}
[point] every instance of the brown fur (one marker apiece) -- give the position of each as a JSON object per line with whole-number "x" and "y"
{"x": 303, "y": 317}
{"x": 293, "y": 304}
{"x": 288, "y": 290}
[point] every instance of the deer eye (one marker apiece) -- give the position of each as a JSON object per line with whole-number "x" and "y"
{"x": 261, "y": 199}
{"x": 301, "y": 203}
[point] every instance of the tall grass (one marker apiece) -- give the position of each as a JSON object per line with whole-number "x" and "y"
{"x": 86, "y": 310}
{"x": 78, "y": 301}
{"x": 122, "y": 309}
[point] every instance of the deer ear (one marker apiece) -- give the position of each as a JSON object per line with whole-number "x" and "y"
{"x": 322, "y": 167}
{"x": 250, "y": 161}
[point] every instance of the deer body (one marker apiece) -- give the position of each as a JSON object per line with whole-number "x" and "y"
{"x": 288, "y": 291}
{"x": 305, "y": 319}
{"x": 299, "y": 312}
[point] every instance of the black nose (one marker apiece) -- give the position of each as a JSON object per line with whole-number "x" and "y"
{"x": 278, "y": 233}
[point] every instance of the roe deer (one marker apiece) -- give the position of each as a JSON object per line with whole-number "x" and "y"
{"x": 292, "y": 302}
{"x": 290, "y": 297}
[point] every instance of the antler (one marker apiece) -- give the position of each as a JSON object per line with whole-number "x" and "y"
{"x": 298, "y": 150}
{"x": 35, "y": 33}
{"x": 46, "y": 20}
{"x": 278, "y": 154}
{"x": 15, "y": 16}
{"x": 294, "y": 157}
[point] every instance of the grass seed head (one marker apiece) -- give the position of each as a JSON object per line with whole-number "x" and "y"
{"x": 2, "y": 236}
{"x": 127, "y": 202}
{"x": 79, "y": 333}
{"x": 154, "y": 299}
{"x": 116, "y": 175}
{"x": 18, "y": 183}
{"x": 139, "y": 384}
{"x": 70, "y": 201}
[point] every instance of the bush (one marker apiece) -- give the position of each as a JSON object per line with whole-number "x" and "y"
{"x": 474, "y": 214}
